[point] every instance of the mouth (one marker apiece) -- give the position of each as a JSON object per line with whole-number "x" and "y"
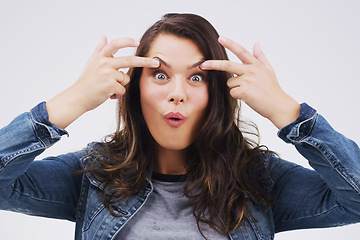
{"x": 174, "y": 119}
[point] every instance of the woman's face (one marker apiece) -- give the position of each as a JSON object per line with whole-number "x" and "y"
{"x": 174, "y": 96}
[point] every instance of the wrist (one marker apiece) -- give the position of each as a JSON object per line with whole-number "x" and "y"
{"x": 66, "y": 107}
{"x": 287, "y": 112}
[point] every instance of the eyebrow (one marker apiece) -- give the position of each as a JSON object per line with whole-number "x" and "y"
{"x": 162, "y": 62}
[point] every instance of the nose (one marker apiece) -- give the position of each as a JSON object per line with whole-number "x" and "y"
{"x": 177, "y": 91}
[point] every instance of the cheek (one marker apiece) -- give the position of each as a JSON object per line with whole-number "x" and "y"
{"x": 201, "y": 98}
{"x": 151, "y": 97}
{"x": 145, "y": 95}
{"x": 149, "y": 90}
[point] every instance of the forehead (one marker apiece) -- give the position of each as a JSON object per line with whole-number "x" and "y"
{"x": 174, "y": 49}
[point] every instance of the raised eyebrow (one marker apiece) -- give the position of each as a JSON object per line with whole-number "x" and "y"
{"x": 162, "y": 62}
{"x": 197, "y": 64}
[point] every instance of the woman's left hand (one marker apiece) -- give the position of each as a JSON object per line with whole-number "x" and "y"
{"x": 256, "y": 84}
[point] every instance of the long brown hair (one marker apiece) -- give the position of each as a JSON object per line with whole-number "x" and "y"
{"x": 224, "y": 168}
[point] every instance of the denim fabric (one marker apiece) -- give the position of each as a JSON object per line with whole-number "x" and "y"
{"x": 326, "y": 197}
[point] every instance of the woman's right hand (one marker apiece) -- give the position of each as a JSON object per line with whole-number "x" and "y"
{"x": 100, "y": 80}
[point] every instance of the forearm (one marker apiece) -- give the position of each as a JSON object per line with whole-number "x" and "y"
{"x": 335, "y": 157}
{"x": 285, "y": 111}
{"x": 66, "y": 107}
{"x": 22, "y": 140}
{"x": 326, "y": 197}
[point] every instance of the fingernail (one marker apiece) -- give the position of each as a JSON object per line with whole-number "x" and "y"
{"x": 203, "y": 65}
{"x": 137, "y": 43}
{"x": 155, "y": 62}
{"x": 222, "y": 39}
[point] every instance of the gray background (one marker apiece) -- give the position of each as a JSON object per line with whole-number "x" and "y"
{"x": 312, "y": 45}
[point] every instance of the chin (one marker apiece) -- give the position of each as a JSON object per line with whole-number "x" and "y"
{"x": 175, "y": 146}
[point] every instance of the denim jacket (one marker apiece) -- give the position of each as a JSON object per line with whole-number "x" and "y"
{"x": 326, "y": 197}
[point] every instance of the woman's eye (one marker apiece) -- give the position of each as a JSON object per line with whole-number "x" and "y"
{"x": 160, "y": 76}
{"x": 196, "y": 78}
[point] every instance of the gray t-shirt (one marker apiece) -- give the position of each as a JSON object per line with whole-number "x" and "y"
{"x": 167, "y": 214}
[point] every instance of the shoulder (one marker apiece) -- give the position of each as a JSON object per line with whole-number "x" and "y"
{"x": 89, "y": 154}
{"x": 88, "y": 158}
{"x": 77, "y": 160}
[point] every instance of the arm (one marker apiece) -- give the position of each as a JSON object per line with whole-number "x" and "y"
{"x": 329, "y": 196}
{"x": 255, "y": 83}
{"x": 49, "y": 187}
{"x": 325, "y": 198}
{"x": 43, "y": 188}
{"x": 31, "y": 133}
{"x": 100, "y": 80}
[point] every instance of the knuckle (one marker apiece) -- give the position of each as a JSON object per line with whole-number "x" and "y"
{"x": 149, "y": 62}
{"x": 128, "y": 60}
{"x": 241, "y": 51}
{"x": 226, "y": 64}
{"x": 126, "y": 79}
{"x": 121, "y": 91}
{"x": 128, "y": 41}
{"x": 121, "y": 76}
{"x": 108, "y": 87}
{"x": 103, "y": 62}
{"x": 235, "y": 93}
{"x": 230, "y": 82}
{"x": 238, "y": 93}
{"x": 252, "y": 70}
{"x": 106, "y": 71}
{"x": 113, "y": 43}
{"x": 234, "y": 81}
{"x": 246, "y": 81}
{"x": 230, "y": 43}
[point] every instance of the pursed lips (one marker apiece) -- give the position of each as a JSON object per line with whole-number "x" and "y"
{"x": 174, "y": 119}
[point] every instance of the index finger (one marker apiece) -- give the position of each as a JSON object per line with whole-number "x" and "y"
{"x": 135, "y": 61}
{"x": 244, "y": 55}
{"x": 223, "y": 65}
{"x": 112, "y": 47}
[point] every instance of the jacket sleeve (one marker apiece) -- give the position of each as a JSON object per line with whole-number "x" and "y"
{"x": 326, "y": 197}
{"x": 48, "y": 187}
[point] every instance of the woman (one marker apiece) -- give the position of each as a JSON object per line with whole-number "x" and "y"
{"x": 178, "y": 167}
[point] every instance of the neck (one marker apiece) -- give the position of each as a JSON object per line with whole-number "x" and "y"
{"x": 171, "y": 162}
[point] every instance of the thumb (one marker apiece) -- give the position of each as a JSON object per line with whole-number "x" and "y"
{"x": 259, "y": 54}
{"x": 101, "y": 44}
